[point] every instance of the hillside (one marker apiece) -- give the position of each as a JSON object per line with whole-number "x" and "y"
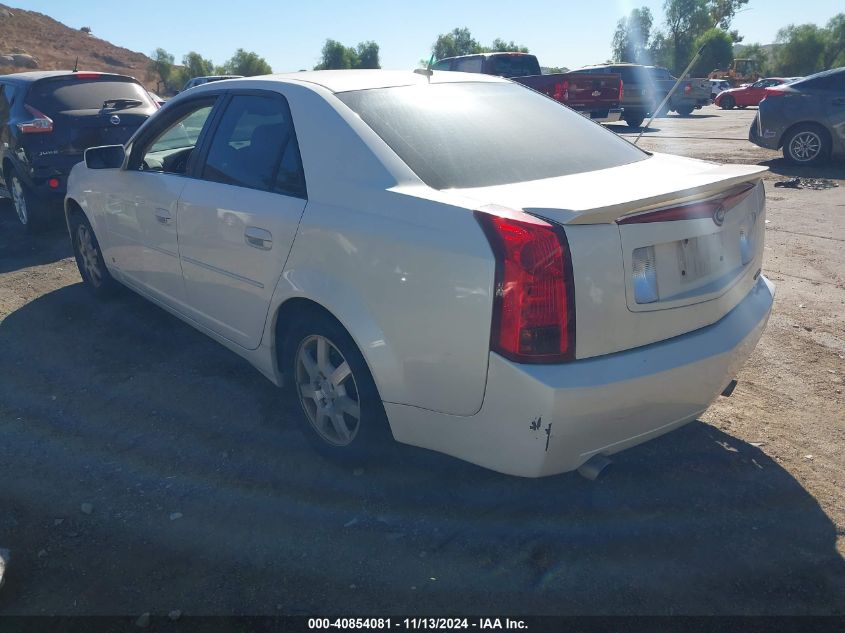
{"x": 26, "y": 34}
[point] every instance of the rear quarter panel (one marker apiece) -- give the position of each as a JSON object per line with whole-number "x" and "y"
{"x": 410, "y": 277}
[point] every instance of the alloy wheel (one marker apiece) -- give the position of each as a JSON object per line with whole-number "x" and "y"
{"x": 19, "y": 200}
{"x": 89, "y": 254}
{"x": 805, "y": 146}
{"x": 327, "y": 390}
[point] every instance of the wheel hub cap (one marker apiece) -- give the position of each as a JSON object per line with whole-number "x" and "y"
{"x": 327, "y": 390}
{"x": 19, "y": 200}
{"x": 89, "y": 255}
{"x": 805, "y": 146}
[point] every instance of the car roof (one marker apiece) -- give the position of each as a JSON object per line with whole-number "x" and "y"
{"x": 348, "y": 80}
{"x": 37, "y": 75}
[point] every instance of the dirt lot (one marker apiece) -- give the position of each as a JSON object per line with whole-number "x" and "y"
{"x": 205, "y": 498}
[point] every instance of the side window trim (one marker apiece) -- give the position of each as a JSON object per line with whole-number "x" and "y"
{"x": 208, "y": 136}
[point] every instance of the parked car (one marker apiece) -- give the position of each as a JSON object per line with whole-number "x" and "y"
{"x": 805, "y": 118}
{"x": 717, "y": 86}
{"x": 596, "y": 96}
{"x": 437, "y": 258}
{"x": 749, "y": 95}
{"x": 639, "y": 95}
{"x": 691, "y": 94}
{"x": 48, "y": 119}
{"x": 199, "y": 81}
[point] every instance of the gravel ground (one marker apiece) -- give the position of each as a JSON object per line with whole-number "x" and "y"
{"x": 143, "y": 468}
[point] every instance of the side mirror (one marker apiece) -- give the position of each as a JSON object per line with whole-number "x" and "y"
{"x": 105, "y": 157}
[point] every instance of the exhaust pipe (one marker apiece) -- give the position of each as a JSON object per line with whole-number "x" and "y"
{"x": 593, "y": 467}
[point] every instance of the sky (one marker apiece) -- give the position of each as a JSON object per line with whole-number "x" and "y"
{"x": 289, "y": 35}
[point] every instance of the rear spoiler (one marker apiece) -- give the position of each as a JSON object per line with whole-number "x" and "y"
{"x": 713, "y": 181}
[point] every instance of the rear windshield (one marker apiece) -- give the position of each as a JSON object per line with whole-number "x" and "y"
{"x": 460, "y": 135}
{"x": 70, "y": 93}
{"x": 514, "y": 65}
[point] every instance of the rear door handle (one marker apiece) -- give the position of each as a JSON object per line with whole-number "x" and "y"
{"x": 163, "y": 216}
{"x": 258, "y": 238}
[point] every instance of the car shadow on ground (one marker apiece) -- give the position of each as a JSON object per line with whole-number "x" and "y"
{"x": 207, "y": 499}
{"x": 19, "y": 250}
{"x": 835, "y": 169}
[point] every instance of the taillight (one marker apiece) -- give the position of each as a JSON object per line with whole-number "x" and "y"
{"x": 694, "y": 210}
{"x": 79, "y": 75}
{"x": 621, "y": 91}
{"x": 687, "y": 89}
{"x": 534, "y": 302}
{"x": 39, "y": 124}
{"x": 562, "y": 91}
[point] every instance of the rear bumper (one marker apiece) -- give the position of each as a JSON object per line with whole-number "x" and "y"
{"x": 539, "y": 420}
{"x": 768, "y": 138}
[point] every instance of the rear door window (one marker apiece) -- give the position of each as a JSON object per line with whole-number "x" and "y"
{"x": 255, "y": 146}
{"x": 72, "y": 93}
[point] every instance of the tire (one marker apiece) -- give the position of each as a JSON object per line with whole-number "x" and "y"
{"x": 89, "y": 257}
{"x": 806, "y": 144}
{"x": 634, "y": 121}
{"x": 684, "y": 110}
{"x": 727, "y": 103}
{"x": 28, "y": 208}
{"x": 337, "y": 402}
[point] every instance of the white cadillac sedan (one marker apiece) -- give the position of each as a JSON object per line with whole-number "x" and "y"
{"x": 452, "y": 260}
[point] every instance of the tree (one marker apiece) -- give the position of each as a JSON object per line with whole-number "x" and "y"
{"x": 246, "y": 63}
{"x": 367, "y": 53}
{"x": 501, "y": 46}
{"x": 161, "y": 66}
{"x": 722, "y": 12}
{"x": 630, "y": 42}
{"x": 834, "y": 54}
{"x": 336, "y": 56}
{"x": 760, "y": 55}
{"x": 718, "y": 51}
{"x": 799, "y": 50}
{"x": 456, "y": 42}
{"x": 685, "y": 20}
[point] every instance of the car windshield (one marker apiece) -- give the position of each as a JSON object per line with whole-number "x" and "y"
{"x": 458, "y": 135}
{"x": 72, "y": 93}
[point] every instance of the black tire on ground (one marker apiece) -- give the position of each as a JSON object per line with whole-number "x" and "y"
{"x": 727, "y": 103}
{"x": 684, "y": 110}
{"x": 806, "y": 144}
{"x": 330, "y": 389}
{"x": 634, "y": 120}
{"x": 29, "y": 208}
{"x": 89, "y": 257}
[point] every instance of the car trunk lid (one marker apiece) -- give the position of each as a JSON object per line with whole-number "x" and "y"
{"x": 659, "y": 247}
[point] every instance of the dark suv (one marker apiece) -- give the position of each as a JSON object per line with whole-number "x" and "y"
{"x": 639, "y": 97}
{"x": 48, "y": 119}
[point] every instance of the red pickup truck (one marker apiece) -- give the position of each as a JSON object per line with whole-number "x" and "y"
{"x": 596, "y": 96}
